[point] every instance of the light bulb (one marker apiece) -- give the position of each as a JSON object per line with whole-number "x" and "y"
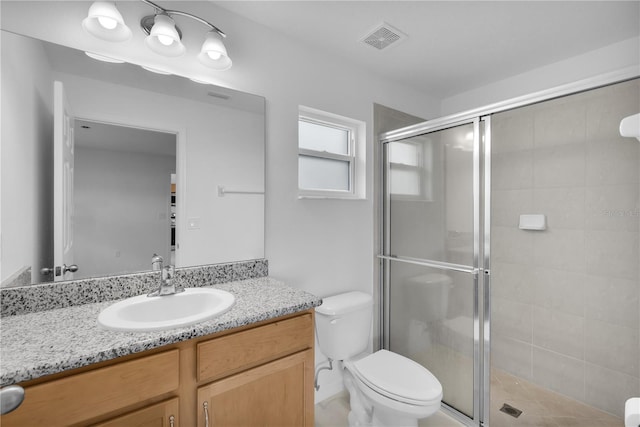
{"x": 165, "y": 40}
{"x": 107, "y": 22}
{"x": 214, "y": 55}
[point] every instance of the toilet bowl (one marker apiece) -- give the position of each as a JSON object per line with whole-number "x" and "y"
{"x": 385, "y": 388}
{"x": 396, "y": 390}
{"x": 425, "y": 302}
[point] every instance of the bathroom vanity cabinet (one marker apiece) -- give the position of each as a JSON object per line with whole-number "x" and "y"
{"x": 261, "y": 374}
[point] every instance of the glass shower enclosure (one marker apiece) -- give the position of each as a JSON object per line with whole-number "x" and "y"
{"x": 565, "y": 297}
{"x": 435, "y": 255}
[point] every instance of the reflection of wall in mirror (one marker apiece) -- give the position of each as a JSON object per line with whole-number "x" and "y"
{"x": 27, "y": 98}
{"x": 220, "y": 150}
{"x": 122, "y": 209}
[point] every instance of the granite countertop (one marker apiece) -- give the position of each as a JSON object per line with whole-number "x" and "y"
{"x": 48, "y": 342}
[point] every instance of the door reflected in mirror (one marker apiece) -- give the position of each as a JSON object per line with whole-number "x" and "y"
{"x": 122, "y": 197}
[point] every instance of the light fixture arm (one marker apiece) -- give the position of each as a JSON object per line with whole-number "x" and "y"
{"x": 185, "y": 14}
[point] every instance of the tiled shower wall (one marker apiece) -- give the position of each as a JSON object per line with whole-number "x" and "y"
{"x": 566, "y": 300}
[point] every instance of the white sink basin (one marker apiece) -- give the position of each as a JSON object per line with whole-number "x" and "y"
{"x": 143, "y": 313}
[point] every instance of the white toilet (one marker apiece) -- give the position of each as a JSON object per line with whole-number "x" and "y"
{"x": 385, "y": 388}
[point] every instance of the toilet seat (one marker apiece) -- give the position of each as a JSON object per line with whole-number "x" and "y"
{"x": 397, "y": 377}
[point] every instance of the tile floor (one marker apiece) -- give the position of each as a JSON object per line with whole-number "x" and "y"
{"x": 333, "y": 412}
{"x": 540, "y": 408}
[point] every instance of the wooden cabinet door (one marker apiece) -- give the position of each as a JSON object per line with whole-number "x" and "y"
{"x": 163, "y": 414}
{"x": 78, "y": 398}
{"x": 278, "y": 393}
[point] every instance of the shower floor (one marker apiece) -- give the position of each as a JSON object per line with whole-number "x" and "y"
{"x": 540, "y": 408}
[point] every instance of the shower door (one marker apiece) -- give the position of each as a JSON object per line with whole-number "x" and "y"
{"x": 434, "y": 270}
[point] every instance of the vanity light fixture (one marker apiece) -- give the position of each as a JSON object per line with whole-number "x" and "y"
{"x": 163, "y": 35}
{"x": 105, "y": 22}
{"x": 213, "y": 53}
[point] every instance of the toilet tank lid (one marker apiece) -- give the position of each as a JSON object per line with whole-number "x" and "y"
{"x": 431, "y": 279}
{"x": 344, "y": 303}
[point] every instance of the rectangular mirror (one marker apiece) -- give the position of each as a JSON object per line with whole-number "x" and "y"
{"x": 150, "y": 153}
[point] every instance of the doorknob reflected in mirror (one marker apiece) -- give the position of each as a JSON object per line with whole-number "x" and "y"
{"x": 46, "y": 270}
{"x": 59, "y": 270}
{"x": 69, "y": 268}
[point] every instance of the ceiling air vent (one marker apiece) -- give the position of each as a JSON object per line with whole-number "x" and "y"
{"x": 384, "y": 35}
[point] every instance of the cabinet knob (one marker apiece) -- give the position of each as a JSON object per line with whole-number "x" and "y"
{"x": 10, "y": 398}
{"x": 205, "y": 406}
{"x": 172, "y": 420}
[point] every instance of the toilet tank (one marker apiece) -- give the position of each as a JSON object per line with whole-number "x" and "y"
{"x": 343, "y": 324}
{"x": 426, "y": 297}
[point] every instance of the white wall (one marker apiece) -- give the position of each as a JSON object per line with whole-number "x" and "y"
{"x": 122, "y": 210}
{"x": 608, "y": 59}
{"x": 27, "y": 97}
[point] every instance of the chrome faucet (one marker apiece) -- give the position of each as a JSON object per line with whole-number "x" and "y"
{"x": 165, "y": 285}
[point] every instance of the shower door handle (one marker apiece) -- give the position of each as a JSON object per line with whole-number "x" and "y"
{"x": 433, "y": 264}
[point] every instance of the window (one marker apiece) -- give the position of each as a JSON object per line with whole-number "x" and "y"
{"x": 410, "y": 168}
{"x": 330, "y": 155}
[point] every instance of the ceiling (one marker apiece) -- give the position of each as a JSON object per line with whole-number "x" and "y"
{"x": 120, "y": 138}
{"x": 452, "y": 46}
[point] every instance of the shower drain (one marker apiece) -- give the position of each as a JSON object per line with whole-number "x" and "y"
{"x": 510, "y": 410}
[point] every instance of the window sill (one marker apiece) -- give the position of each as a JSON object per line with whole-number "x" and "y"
{"x": 330, "y": 196}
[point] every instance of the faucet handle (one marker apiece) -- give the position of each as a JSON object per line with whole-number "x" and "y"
{"x": 168, "y": 272}
{"x": 156, "y": 262}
